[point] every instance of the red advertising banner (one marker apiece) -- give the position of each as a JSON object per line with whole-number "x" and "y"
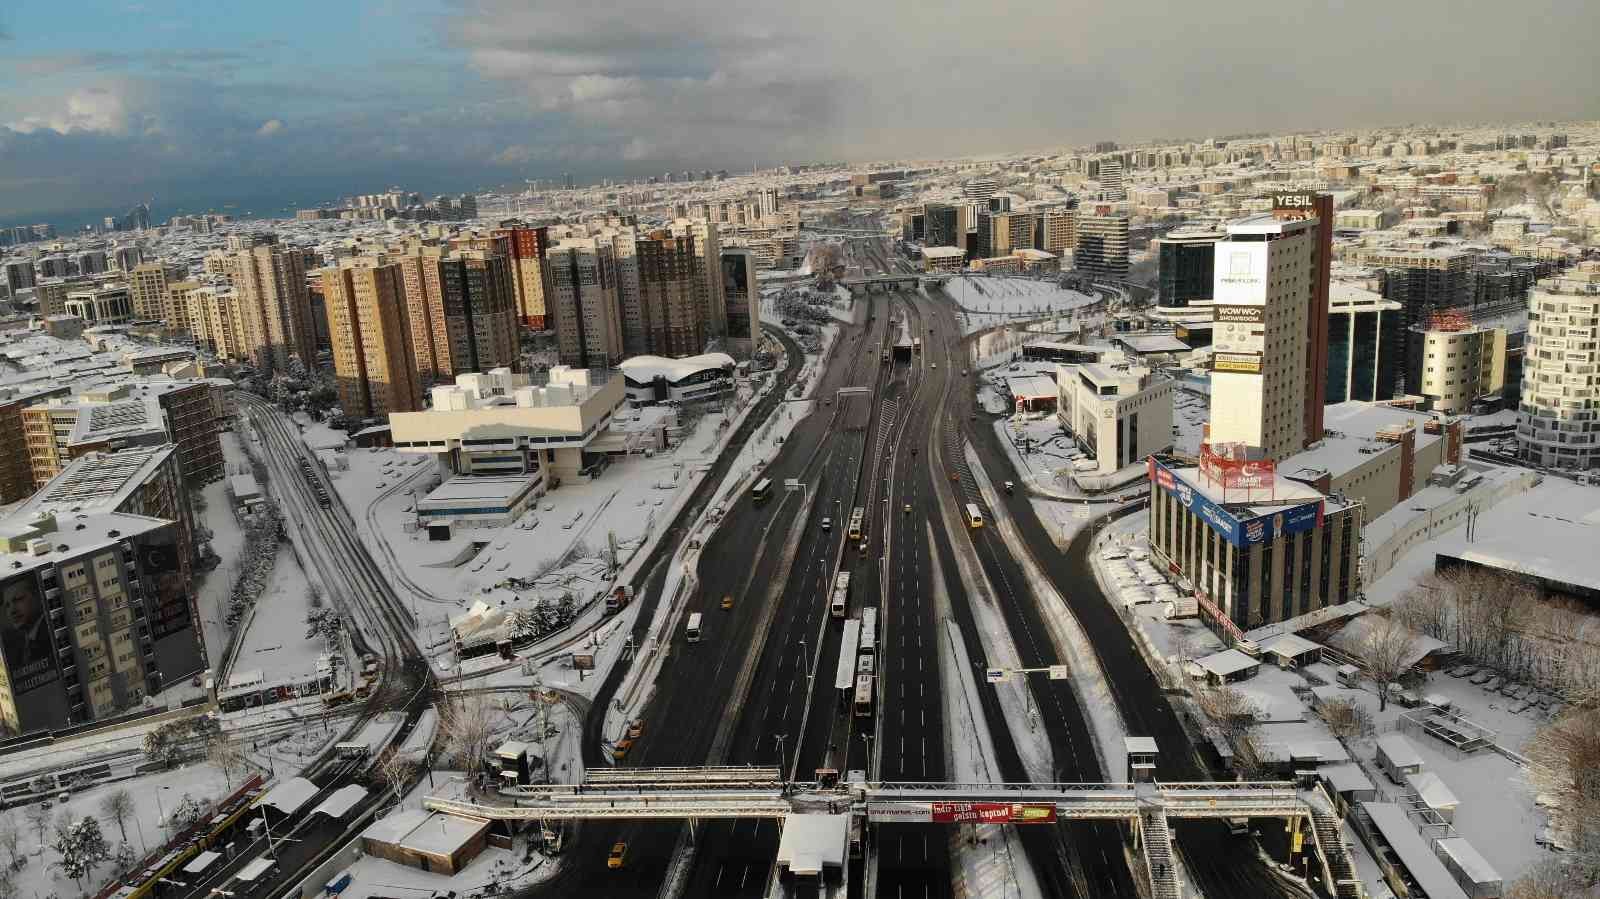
{"x": 1235, "y": 473}
{"x": 993, "y": 813}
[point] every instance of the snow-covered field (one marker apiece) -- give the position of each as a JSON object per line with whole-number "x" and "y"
{"x": 154, "y": 796}
{"x": 275, "y": 637}
{"x": 985, "y": 302}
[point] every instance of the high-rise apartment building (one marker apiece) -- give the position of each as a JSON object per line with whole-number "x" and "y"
{"x": 583, "y": 283}
{"x": 16, "y": 469}
{"x": 979, "y": 188}
{"x": 665, "y": 320}
{"x": 1316, "y": 207}
{"x": 1003, "y": 233}
{"x": 769, "y": 202}
{"x": 374, "y": 364}
{"x": 480, "y": 310}
{"x": 1183, "y": 265}
{"x": 707, "y": 257}
{"x": 102, "y": 611}
{"x": 147, "y": 287}
{"x": 1102, "y": 249}
{"x": 529, "y": 275}
{"x": 1262, "y": 295}
{"x": 460, "y": 308}
{"x": 270, "y": 282}
{"x": 216, "y": 319}
{"x": 1558, "y": 423}
{"x": 1058, "y": 231}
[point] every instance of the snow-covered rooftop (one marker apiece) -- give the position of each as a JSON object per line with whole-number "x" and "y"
{"x": 1433, "y": 790}
{"x": 289, "y": 796}
{"x": 643, "y": 369}
{"x": 1413, "y": 851}
{"x": 1226, "y": 662}
{"x": 342, "y": 801}
{"x": 813, "y": 842}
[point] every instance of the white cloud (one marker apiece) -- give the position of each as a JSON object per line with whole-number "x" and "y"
{"x": 92, "y": 109}
{"x": 269, "y": 128}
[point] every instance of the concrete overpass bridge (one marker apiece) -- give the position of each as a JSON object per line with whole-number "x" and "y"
{"x": 694, "y": 794}
{"x": 884, "y": 283}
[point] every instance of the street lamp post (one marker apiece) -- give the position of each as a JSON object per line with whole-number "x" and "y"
{"x": 866, "y": 738}
{"x": 782, "y": 763}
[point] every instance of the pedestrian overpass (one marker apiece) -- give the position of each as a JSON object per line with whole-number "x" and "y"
{"x": 885, "y": 283}
{"x": 695, "y": 794}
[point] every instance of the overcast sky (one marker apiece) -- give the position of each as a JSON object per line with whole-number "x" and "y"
{"x": 105, "y": 102}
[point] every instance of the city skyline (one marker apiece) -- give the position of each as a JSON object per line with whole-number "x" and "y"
{"x": 142, "y": 99}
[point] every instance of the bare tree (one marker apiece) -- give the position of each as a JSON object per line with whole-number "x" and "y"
{"x": 228, "y": 758}
{"x": 1564, "y": 761}
{"x": 396, "y": 770}
{"x": 11, "y": 842}
{"x": 39, "y": 819}
{"x": 1561, "y": 877}
{"x": 466, "y": 722}
{"x": 1347, "y": 720}
{"x": 1387, "y": 647}
{"x": 118, "y": 806}
{"x": 1233, "y": 713}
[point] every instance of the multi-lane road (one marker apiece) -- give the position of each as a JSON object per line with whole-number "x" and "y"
{"x": 758, "y": 687}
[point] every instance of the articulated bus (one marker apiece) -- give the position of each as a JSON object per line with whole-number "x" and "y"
{"x": 869, "y": 630}
{"x": 858, "y": 524}
{"x": 974, "y": 517}
{"x": 841, "y": 594}
{"x": 761, "y": 490}
{"x": 863, "y": 703}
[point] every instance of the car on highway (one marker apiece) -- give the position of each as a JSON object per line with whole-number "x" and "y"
{"x": 619, "y": 749}
{"x": 1010, "y": 487}
{"x": 727, "y": 601}
{"x": 636, "y": 729}
{"x": 618, "y": 856}
{"x": 827, "y": 523}
{"x": 908, "y": 508}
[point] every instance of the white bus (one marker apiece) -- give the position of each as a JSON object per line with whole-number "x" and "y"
{"x": 844, "y": 678}
{"x": 693, "y": 630}
{"x": 762, "y": 488}
{"x": 858, "y": 523}
{"x": 869, "y": 630}
{"x": 974, "y": 517}
{"x": 841, "y": 594}
{"x": 863, "y": 703}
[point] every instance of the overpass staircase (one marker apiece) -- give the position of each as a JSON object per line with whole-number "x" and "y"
{"x": 1156, "y": 840}
{"x": 1336, "y": 866}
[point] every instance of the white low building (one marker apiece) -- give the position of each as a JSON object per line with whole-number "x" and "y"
{"x": 692, "y": 379}
{"x": 1117, "y": 410}
{"x": 499, "y": 423}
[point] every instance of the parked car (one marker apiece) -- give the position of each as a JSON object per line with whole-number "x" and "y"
{"x": 1493, "y": 686}
{"x": 1520, "y": 706}
{"x": 1481, "y": 677}
{"x": 1462, "y": 670}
